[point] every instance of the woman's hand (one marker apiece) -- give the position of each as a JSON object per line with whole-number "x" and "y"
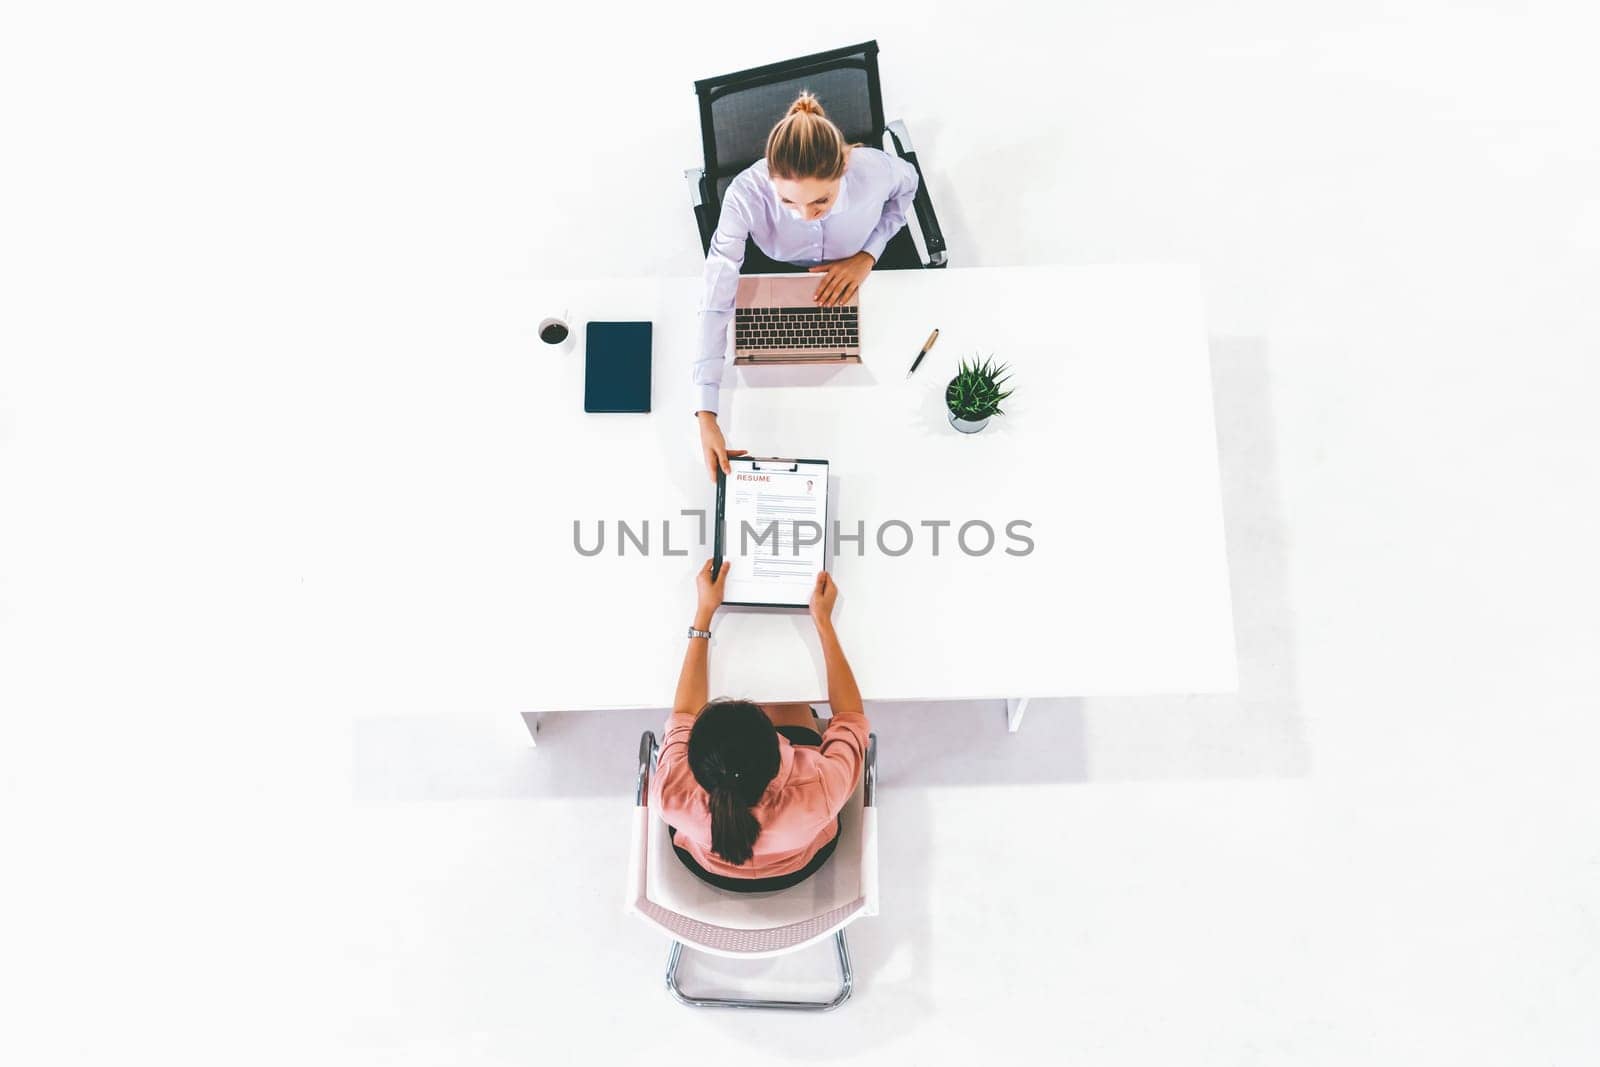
{"x": 844, "y": 278}
{"x": 712, "y": 446}
{"x": 708, "y": 593}
{"x": 823, "y": 594}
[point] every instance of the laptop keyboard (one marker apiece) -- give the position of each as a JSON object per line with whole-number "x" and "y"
{"x": 796, "y": 327}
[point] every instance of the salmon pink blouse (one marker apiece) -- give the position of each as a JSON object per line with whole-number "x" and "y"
{"x": 798, "y": 812}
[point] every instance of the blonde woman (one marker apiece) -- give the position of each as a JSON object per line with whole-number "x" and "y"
{"x": 816, "y": 201}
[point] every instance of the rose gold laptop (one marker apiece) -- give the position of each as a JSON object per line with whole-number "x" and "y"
{"x": 775, "y": 320}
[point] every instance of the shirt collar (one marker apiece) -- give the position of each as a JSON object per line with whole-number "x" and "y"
{"x": 844, "y": 194}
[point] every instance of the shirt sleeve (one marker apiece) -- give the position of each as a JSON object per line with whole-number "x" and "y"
{"x": 895, "y": 208}
{"x": 723, "y": 260}
{"x": 672, "y": 762}
{"x": 844, "y": 754}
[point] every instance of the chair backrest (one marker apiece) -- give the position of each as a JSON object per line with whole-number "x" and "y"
{"x": 738, "y": 111}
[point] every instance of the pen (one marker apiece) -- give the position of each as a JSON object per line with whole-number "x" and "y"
{"x": 932, "y": 337}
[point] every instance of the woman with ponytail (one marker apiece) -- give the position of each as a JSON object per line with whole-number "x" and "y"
{"x": 751, "y": 793}
{"x": 814, "y": 200}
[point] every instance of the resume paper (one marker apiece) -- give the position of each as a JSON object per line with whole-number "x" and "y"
{"x": 775, "y": 518}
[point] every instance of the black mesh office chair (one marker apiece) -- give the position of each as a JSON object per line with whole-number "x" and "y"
{"x": 737, "y": 111}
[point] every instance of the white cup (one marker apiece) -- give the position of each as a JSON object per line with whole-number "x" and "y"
{"x": 556, "y": 332}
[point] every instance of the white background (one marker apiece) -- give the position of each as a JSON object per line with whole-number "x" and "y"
{"x": 221, "y": 223}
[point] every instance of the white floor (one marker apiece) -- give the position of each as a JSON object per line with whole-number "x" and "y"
{"x": 1386, "y": 849}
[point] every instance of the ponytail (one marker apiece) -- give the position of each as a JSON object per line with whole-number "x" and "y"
{"x": 733, "y": 829}
{"x": 733, "y": 753}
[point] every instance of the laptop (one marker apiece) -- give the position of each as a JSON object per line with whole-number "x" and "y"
{"x": 775, "y": 320}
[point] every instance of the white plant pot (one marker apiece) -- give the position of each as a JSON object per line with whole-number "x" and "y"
{"x": 964, "y": 426}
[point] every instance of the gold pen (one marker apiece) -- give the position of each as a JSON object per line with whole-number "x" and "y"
{"x": 932, "y": 337}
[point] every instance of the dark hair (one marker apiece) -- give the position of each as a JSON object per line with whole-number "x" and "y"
{"x": 733, "y": 752}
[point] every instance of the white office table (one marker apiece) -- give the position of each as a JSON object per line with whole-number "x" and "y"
{"x": 1107, "y": 451}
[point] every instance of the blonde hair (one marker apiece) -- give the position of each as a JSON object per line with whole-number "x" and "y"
{"x": 806, "y": 143}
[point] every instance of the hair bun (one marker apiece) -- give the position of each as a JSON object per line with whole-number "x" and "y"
{"x": 807, "y": 103}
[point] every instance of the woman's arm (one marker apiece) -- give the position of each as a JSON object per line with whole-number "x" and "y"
{"x": 844, "y": 277}
{"x": 896, "y": 207}
{"x": 693, "y": 686}
{"x": 843, "y": 696}
{"x": 844, "y": 742}
{"x": 723, "y": 260}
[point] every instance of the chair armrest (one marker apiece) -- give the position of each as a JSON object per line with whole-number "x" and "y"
{"x": 869, "y": 788}
{"x": 703, "y": 221}
{"x": 639, "y": 832}
{"x": 647, "y": 763}
{"x": 922, "y": 202}
{"x": 869, "y": 861}
{"x": 635, "y": 888}
{"x": 869, "y": 829}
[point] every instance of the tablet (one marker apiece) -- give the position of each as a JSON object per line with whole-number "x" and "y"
{"x": 616, "y": 366}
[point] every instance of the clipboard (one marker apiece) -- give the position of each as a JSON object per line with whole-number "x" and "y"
{"x": 778, "y": 570}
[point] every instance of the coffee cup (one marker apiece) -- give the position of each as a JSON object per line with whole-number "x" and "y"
{"x": 554, "y": 332}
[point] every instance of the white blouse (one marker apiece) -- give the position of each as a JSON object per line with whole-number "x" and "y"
{"x": 874, "y": 199}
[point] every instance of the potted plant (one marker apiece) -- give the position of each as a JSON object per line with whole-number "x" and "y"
{"x": 974, "y": 394}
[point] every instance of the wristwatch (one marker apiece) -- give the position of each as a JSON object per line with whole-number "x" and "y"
{"x": 700, "y": 633}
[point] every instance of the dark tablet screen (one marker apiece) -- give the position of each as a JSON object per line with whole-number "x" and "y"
{"x": 616, "y": 372}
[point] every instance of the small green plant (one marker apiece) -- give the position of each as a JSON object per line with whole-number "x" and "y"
{"x": 974, "y": 393}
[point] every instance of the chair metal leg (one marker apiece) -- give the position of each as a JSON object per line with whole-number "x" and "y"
{"x": 846, "y": 984}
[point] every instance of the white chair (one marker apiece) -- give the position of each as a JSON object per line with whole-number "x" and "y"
{"x": 667, "y": 895}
